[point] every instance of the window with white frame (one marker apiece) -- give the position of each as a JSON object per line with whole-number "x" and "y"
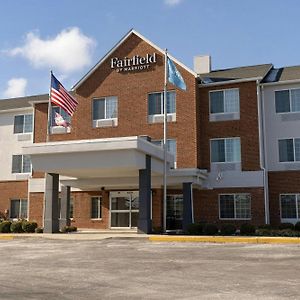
{"x": 21, "y": 164}
{"x": 225, "y": 150}
{"x": 287, "y": 101}
{"x": 289, "y": 150}
{"x": 96, "y": 207}
{"x": 290, "y": 206}
{"x": 18, "y": 209}
{"x": 171, "y": 146}
{"x": 156, "y": 103}
{"x": 105, "y": 108}
{"x": 59, "y": 110}
{"x": 235, "y": 206}
{"x": 23, "y": 123}
{"x": 224, "y": 101}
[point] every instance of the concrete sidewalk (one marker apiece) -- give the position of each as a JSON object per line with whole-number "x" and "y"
{"x": 96, "y": 235}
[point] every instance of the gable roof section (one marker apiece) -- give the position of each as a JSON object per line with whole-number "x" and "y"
{"x": 125, "y": 37}
{"x": 239, "y": 73}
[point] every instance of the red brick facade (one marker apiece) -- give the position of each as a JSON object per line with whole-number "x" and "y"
{"x": 285, "y": 182}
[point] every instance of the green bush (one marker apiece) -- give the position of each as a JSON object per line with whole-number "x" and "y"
{"x": 29, "y": 227}
{"x": 16, "y": 227}
{"x": 39, "y": 230}
{"x": 210, "y": 229}
{"x": 195, "y": 228}
{"x": 228, "y": 229}
{"x": 68, "y": 229}
{"x": 5, "y": 226}
{"x": 297, "y": 226}
{"x": 265, "y": 226}
{"x": 247, "y": 229}
{"x": 286, "y": 226}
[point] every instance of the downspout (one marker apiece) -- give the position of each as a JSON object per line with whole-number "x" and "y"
{"x": 262, "y": 147}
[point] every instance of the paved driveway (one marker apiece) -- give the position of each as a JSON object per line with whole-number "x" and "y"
{"x": 138, "y": 269}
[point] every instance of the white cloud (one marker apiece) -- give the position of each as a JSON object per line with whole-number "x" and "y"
{"x": 68, "y": 51}
{"x": 15, "y": 88}
{"x": 172, "y": 2}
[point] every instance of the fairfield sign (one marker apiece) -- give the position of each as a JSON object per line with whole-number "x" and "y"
{"x": 136, "y": 63}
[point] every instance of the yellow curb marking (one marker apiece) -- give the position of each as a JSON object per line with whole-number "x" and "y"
{"x": 6, "y": 237}
{"x": 217, "y": 239}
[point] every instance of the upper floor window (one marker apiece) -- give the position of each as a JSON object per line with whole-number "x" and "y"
{"x": 105, "y": 111}
{"x": 225, "y": 150}
{"x": 290, "y": 206}
{"x": 171, "y": 146}
{"x": 21, "y": 164}
{"x": 59, "y": 110}
{"x": 225, "y": 101}
{"x": 23, "y": 124}
{"x": 235, "y": 206}
{"x": 289, "y": 150}
{"x": 287, "y": 101}
{"x": 96, "y": 208}
{"x": 156, "y": 106}
{"x": 18, "y": 209}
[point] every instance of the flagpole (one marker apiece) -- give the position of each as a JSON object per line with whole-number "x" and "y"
{"x": 49, "y": 110}
{"x": 165, "y": 145}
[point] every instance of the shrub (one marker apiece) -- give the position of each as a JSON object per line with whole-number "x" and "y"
{"x": 39, "y": 230}
{"x": 16, "y": 227}
{"x": 29, "y": 227}
{"x": 247, "y": 229}
{"x": 286, "y": 226}
{"x": 210, "y": 229}
{"x": 195, "y": 228}
{"x": 297, "y": 226}
{"x": 69, "y": 229}
{"x": 228, "y": 229}
{"x": 265, "y": 226}
{"x": 5, "y": 226}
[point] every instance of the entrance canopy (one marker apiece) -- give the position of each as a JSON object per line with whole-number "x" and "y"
{"x": 110, "y": 163}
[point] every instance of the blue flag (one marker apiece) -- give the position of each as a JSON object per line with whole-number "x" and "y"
{"x": 174, "y": 76}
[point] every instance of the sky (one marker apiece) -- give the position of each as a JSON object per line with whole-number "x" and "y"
{"x": 71, "y": 36}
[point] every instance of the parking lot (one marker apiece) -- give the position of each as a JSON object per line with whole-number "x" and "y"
{"x": 138, "y": 269}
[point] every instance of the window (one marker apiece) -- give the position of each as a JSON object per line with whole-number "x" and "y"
{"x": 23, "y": 124}
{"x": 156, "y": 103}
{"x": 171, "y": 146}
{"x": 96, "y": 208}
{"x": 226, "y": 101}
{"x": 289, "y": 150}
{"x": 21, "y": 164}
{"x": 105, "y": 108}
{"x": 290, "y": 206}
{"x": 18, "y": 209}
{"x": 235, "y": 206}
{"x": 287, "y": 101}
{"x": 59, "y": 110}
{"x": 225, "y": 150}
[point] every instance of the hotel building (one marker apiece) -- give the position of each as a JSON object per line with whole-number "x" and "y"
{"x": 233, "y": 146}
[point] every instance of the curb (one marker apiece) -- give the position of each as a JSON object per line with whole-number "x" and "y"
{"x": 224, "y": 240}
{"x": 6, "y": 237}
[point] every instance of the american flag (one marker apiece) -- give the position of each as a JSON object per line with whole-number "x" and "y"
{"x": 61, "y": 97}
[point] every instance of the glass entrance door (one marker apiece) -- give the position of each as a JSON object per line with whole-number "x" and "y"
{"x": 124, "y": 209}
{"x": 174, "y": 212}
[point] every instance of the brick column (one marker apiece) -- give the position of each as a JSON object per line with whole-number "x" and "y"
{"x": 145, "y": 222}
{"x": 51, "y": 214}
{"x": 187, "y": 205}
{"x": 65, "y": 207}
